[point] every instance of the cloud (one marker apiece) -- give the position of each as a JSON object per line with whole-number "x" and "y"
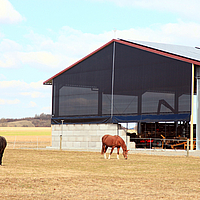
{"x": 2, "y": 77}
{"x": 32, "y": 104}
{"x": 182, "y": 33}
{"x": 12, "y": 84}
{"x": 34, "y": 94}
{"x": 44, "y": 53}
{"x": 42, "y": 58}
{"x": 31, "y": 89}
{"x": 8, "y": 45}
{"x": 23, "y": 99}
{"x": 9, "y": 51}
{"x": 9, "y": 102}
{"x": 9, "y": 60}
{"x": 8, "y": 15}
{"x": 184, "y": 8}
{"x": 71, "y": 45}
{"x": 46, "y": 109}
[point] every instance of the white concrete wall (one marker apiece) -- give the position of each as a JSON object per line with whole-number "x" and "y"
{"x": 84, "y": 136}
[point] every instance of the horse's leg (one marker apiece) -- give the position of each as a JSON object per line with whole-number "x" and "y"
{"x": 105, "y": 149}
{"x": 111, "y": 152}
{"x": 1, "y": 155}
{"x": 118, "y": 152}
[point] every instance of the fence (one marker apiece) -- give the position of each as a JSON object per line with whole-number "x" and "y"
{"x": 28, "y": 142}
{"x": 157, "y": 143}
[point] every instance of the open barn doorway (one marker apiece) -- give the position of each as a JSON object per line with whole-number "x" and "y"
{"x": 163, "y": 135}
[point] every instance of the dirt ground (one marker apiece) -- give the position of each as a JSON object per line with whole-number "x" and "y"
{"x": 48, "y": 174}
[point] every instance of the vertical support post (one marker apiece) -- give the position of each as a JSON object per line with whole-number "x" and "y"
{"x": 198, "y": 109}
{"x": 150, "y": 143}
{"x": 139, "y": 127}
{"x": 113, "y": 73}
{"x": 53, "y": 99}
{"x": 60, "y": 142}
{"x": 61, "y": 135}
{"x": 187, "y": 147}
{"x": 176, "y": 128}
{"x": 192, "y": 106}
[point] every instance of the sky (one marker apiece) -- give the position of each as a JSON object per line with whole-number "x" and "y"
{"x": 39, "y": 38}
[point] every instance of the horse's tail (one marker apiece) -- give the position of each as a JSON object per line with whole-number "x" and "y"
{"x": 103, "y": 138}
{"x": 102, "y": 145}
{"x": 102, "y": 149}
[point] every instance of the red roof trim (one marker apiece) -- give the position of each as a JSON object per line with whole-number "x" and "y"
{"x": 132, "y": 44}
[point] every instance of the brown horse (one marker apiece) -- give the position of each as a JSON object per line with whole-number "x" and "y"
{"x": 113, "y": 141}
{"x": 3, "y": 145}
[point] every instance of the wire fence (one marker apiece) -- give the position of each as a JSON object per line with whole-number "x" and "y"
{"x": 28, "y": 142}
{"x": 41, "y": 142}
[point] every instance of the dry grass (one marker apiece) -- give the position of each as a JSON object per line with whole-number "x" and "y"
{"x": 47, "y": 174}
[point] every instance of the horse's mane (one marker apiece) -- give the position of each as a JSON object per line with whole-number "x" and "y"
{"x": 124, "y": 147}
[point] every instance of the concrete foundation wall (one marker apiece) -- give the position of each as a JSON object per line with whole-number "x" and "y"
{"x": 84, "y": 136}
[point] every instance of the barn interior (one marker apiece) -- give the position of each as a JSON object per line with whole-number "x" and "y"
{"x": 165, "y": 135}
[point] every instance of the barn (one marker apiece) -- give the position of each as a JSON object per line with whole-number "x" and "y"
{"x": 151, "y": 84}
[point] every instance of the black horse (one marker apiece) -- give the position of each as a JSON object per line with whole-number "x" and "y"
{"x": 3, "y": 145}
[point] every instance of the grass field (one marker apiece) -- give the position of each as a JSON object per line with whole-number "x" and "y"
{"x": 26, "y": 137}
{"x": 48, "y": 174}
{"x": 25, "y": 131}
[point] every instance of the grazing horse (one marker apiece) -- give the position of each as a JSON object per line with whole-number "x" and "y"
{"x": 3, "y": 144}
{"x": 113, "y": 141}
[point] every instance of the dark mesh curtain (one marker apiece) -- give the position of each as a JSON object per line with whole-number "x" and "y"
{"x": 84, "y": 90}
{"x": 150, "y": 83}
{"x": 120, "y": 83}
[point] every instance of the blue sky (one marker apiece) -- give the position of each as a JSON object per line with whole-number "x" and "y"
{"x": 39, "y": 38}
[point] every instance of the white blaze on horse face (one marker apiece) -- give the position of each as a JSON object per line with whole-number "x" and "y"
{"x": 117, "y": 156}
{"x": 105, "y": 155}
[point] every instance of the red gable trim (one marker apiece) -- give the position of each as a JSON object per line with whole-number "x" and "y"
{"x": 138, "y": 46}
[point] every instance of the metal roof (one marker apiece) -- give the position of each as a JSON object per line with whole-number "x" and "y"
{"x": 183, "y": 53}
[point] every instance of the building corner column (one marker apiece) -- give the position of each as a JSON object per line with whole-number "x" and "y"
{"x": 198, "y": 109}
{"x": 192, "y": 109}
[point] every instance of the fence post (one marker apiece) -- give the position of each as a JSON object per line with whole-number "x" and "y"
{"x": 187, "y": 147}
{"x": 60, "y": 142}
{"x": 37, "y": 142}
{"x": 14, "y": 143}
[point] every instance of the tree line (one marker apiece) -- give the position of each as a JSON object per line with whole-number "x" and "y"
{"x": 42, "y": 120}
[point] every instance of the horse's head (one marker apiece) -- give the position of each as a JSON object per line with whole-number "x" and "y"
{"x": 125, "y": 154}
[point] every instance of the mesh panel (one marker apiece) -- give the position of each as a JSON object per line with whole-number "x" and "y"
{"x": 144, "y": 83}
